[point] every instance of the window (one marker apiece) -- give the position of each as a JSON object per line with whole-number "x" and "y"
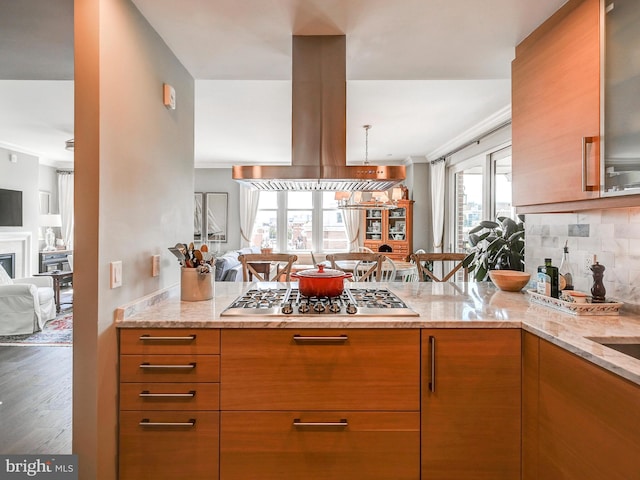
{"x": 334, "y": 233}
{"x": 265, "y": 227}
{"x": 481, "y": 188}
{"x": 300, "y": 221}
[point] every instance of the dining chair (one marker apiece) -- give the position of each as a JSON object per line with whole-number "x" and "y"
{"x": 452, "y": 260}
{"x": 362, "y": 250}
{"x": 251, "y": 261}
{"x": 387, "y": 270}
{"x": 347, "y": 262}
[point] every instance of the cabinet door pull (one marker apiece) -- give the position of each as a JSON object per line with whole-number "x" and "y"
{"x": 432, "y": 371}
{"x": 148, "y": 394}
{"x": 149, "y": 365}
{"x": 321, "y": 339}
{"x": 145, "y": 422}
{"x": 585, "y": 141}
{"x": 340, "y": 424}
{"x": 151, "y": 338}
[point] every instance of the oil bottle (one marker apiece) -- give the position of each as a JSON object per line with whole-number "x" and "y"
{"x": 548, "y": 279}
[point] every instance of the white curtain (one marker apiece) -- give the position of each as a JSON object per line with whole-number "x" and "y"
{"x": 65, "y": 204}
{"x": 437, "y": 174}
{"x": 248, "y": 211}
{"x": 352, "y": 220}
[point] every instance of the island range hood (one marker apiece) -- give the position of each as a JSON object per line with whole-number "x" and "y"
{"x": 319, "y": 139}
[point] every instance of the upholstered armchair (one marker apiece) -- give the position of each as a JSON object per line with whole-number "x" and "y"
{"x": 26, "y": 304}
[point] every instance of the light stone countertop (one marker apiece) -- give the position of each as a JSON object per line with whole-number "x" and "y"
{"x": 440, "y": 305}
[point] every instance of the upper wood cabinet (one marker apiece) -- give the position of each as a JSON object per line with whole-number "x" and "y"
{"x": 556, "y": 109}
{"x": 390, "y": 229}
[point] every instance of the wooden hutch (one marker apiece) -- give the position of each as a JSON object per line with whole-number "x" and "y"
{"x": 390, "y": 231}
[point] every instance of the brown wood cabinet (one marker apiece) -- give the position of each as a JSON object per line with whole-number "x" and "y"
{"x": 580, "y": 421}
{"x": 390, "y": 228}
{"x": 320, "y": 404}
{"x": 169, "y": 404}
{"x": 556, "y": 110}
{"x": 471, "y": 383}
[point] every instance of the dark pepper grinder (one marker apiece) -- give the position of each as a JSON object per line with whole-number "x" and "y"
{"x": 598, "y": 291}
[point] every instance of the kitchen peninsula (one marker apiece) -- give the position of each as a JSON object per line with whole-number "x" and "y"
{"x": 479, "y": 385}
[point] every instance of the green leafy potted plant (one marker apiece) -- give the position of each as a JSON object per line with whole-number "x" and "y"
{"x": 495, "y": 246}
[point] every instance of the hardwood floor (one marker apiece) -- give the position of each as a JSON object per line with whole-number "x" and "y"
{"x": 35, "y": 400}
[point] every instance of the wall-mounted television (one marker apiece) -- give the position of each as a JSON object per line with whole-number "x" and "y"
{"x": 10, "y": 208}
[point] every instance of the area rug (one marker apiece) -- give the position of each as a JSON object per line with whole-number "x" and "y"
{"x": 56, "y": 333}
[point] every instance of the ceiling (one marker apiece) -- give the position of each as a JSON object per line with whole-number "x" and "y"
{"x": 426, "y": 74}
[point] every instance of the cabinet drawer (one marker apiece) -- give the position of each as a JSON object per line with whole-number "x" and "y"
{"x": 371, "y": 446}
{"x": 169, "y": 368}
{"x": 159, "y": 451}
{"x": 169, "y": 340}
{"x": 328, "y": 369}
{"x": 169, "y": 396}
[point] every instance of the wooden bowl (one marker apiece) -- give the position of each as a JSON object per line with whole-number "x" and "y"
{"x": 509, "y": 280}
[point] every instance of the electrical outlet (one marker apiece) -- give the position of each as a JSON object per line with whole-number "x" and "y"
{"x": 115, "y": 274}
{"x": 587, "y": 261}
{"x": 155, "y": 265}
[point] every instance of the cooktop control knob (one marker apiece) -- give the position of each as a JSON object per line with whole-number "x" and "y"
{"x": 303, "y": 308}
{"x": 319, "y": 307}
{"x": 351, "y": 308}
{"x": 287, "y": 308}
{"x": 334, "y": 308}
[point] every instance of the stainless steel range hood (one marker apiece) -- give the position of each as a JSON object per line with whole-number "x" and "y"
{"x": 319, "y": 139}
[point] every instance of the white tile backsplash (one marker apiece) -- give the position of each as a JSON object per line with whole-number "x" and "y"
{"x": 614, "y": 237}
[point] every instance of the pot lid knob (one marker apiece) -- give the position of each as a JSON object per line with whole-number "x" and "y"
{"x": 320, "y": 268}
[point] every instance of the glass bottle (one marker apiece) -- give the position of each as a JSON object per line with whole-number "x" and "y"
{"x": 565, "y": 269}
{"x": 548, "y": 279}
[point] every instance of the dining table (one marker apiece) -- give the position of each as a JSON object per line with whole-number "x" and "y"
{"x": 403, "y": 269}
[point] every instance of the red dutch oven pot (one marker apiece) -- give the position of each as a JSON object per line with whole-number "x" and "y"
{"x": 321, "y": 282}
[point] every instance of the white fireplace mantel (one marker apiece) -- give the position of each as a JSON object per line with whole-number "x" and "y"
{"x": 20, "y": 244}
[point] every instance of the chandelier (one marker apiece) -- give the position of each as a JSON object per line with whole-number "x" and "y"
{"x": 385, "y": 200}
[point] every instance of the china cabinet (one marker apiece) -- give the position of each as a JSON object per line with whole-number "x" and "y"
{"x": 390, "y": 231}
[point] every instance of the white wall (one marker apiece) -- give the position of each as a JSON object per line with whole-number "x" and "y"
{"x": 133, "y": 198}
{"x": 23, "y": 176}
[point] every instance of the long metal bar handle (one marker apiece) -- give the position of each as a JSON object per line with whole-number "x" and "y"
{"x": 313, "y": 338}
{"x": 341, "y": 424}
{"x": 148, "y": 394}
{"x": 145, "y": 422}
{"x": 149, "y": 365}
{"x": 147, "y": 338}
{"x": 585, "y": 141}
{"x": 432, "y": 372}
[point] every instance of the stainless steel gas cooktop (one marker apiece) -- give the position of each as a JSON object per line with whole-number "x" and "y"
{"x": 370, "y": 302}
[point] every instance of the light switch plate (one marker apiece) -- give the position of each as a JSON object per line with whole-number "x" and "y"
{"x": 155, "y": 265}
{"x": 115, "y": 277}
{"x": 169, "y": 96}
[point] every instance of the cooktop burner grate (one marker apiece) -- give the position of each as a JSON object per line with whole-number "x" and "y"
{"x": 290, "y": 302}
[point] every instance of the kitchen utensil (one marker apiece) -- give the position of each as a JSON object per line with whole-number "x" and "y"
{"x": 321, "y": 282}
{"x": 178, "y": 253}
{"x": 198, "y": 257}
